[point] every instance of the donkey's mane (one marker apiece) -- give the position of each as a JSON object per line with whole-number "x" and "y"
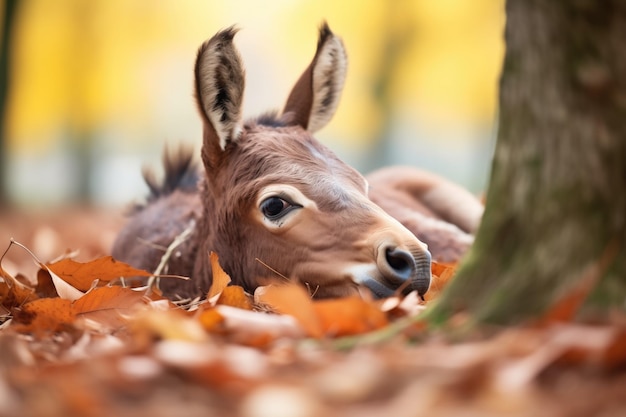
{"x": 180, "y": 173}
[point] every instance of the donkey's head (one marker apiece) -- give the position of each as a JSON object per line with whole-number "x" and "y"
{"x": 277, "y": 203}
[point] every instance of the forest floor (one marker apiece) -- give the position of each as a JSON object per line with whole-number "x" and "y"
{"x": 72, "y": 347}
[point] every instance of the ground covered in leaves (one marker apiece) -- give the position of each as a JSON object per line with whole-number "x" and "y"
{"x": 77, "y": 338}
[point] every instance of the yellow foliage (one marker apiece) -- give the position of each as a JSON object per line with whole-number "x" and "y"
{"x": 79, "y": 65}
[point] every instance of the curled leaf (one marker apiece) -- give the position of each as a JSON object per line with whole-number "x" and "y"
{"x": 220, "y": 278}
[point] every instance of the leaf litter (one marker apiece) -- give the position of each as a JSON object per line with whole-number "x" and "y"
{"x": 77, "y": 338}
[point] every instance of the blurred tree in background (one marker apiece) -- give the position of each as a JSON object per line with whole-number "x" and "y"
{"x": 100, "y": 86}
{"x": 8, "y": 18}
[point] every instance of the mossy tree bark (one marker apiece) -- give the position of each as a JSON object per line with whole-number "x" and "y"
{"x": 556, "y": 204}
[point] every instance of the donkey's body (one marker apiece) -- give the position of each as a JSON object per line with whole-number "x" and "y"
{"x": 271, "y": 200}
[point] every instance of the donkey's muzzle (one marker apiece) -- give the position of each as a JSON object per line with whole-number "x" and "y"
{"x": 401, "y": 265}
{"x": 401, "y": 268}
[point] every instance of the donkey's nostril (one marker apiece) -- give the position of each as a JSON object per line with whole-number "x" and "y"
{"x": 401, "y": 262}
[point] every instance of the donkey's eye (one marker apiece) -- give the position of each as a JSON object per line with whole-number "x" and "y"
{"x": 275, "y": 207}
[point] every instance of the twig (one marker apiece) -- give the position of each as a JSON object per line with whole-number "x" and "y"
{"x": 178, "y": 240}
{"x": 6, "y": 250}
{"x": 37, "y": 261}
{"x": 308, "y": 287}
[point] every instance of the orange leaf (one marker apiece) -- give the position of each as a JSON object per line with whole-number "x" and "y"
{"x": 348, "y": 316}
{"x": 220, "y": 278}
{"x": 442, "y": 273}
{"x": 235, "y": 296}
{"x": 15, "y": 295}
{"x": 81, "y": 275}
{"x": 292, "y": 299}
{"x": 44, "y": 315}
{"x": 605, "y": 346}
{"x": 442, "y": 268}
{"x": 105, "y": 303}
{"x": 210, "y": 319}
{"x": 12, "y": 292}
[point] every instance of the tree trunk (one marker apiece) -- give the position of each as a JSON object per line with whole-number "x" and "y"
{"x": 556, "y": 204}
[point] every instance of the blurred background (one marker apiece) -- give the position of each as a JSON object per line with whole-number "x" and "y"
{"x": 91, "y": 90}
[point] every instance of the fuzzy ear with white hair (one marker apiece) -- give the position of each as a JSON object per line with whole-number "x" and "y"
{"x": 314, "y": 99}
{"x": 219, "y": 87}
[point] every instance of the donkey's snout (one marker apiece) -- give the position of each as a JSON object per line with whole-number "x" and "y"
{"x": 401, "y": 265}
{"x": 421, "y": 281}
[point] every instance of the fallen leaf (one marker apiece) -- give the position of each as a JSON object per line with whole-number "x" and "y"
{"x": 348, "y": 316}
{"x": 292, "y": 299}
{"x": 235, "y": 296}
{"x": 258, "y": 329}
{"x": 81, "y": 275}
{"x": 442, "y": 273}
{"x": 443, "y": 269}
{"x": 601, "y": 345}
{"x": 167, "y": 325}
{"x": 13, "y": 293}
{"x": 220, "y": 278}
{"x": 63, "y": 288}
{"x": 210, "y": 319}
{"x": 45, "y": 286}
{"x": 105, "y": 304}
{"x": 44, "y": 315}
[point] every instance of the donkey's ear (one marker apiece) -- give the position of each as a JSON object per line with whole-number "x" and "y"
{"x": 219, "y": 85}
{"x": 314, "y": 99}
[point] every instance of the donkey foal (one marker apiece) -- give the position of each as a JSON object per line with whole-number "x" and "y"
{"x": 270, "y": 199}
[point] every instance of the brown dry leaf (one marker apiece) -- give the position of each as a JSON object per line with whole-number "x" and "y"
{"x": 105, "y": 303}
{"x": 166, "y": 324}
{"x": 45, "y": 287}
{"x": 63, "y": 288}
{"x": 604, "y": 345}
{"x": 614, "y": 355}
{"x": 258, "y": 329}
{"x": 13, "y": 293}
{"x": 442, "y": 273}
{"x": 292, "y": 299}
{"x": 44, "y": 315}
{"x": 348, "y": 316}
{"x": 235, "y": 296}
{"x": 210, "y": 319}
{"x": 81, "y": 275}
{"x": 220, "y": 278}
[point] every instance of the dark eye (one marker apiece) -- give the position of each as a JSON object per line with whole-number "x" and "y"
{"x": 275, "y": 207}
